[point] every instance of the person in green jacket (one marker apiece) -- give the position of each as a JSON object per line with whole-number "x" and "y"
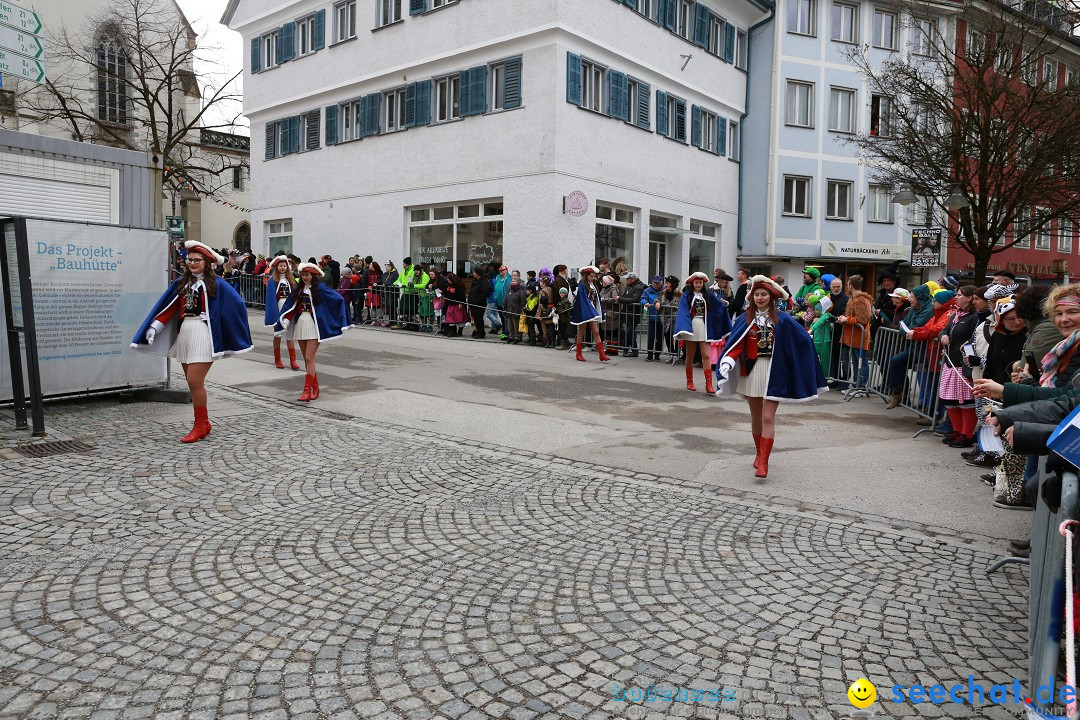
{"x": 821, "y": 330}
{"x": 412, "y": 285}
{"x": 811, "y": 282}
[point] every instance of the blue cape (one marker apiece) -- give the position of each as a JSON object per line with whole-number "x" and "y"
{"x": 717, "y": 322}
{"x": 229, "y": 330}
{"x": 795, "y": 371}
{"x": 585, "y": 311}
{"x": 271, "y": 317}
{"x": 330, "y": 314}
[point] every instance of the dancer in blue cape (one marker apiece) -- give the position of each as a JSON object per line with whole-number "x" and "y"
{"x": 313, "y": 314}
{"x": 702, "y": 319}
{"x": 777, "y": 362}
{"x": 279, "y": 287}
{"x": 588, "y": 311}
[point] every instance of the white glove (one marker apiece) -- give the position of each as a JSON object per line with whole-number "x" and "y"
{"x": 723, "y": 369}
{"x": 284, "y": 323}
{"x": 150, "y": 333}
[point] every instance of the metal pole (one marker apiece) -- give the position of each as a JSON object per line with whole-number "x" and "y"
{"x": 18, "y": 391}
{"x": 33, "y": 370}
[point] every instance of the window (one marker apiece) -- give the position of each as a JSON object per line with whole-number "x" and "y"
{"x": 1029, "y": 66}
{"x": 976, "y": 47}
{"x": 922, "y": 118}
{"x": 922, "y": 36}
{"x": 309, "y": 130}
{"x": 740, "y": 49}
{"x": 715, "y": 44}
{"x": 269, "y": 48}
{"x": 448, "y": 98}
{"x": 684, "y": 19}
{"x": 884, "y": 29}
{"x": 797, "y": 196}
{"x": 7, "y": 101}
{"x": 800, "y": 17}
{"x": 238, "y": 178}
{"x": 921, "y": 213}
{"x": 879, "y": 204}
{"x": 593, "y": 82}
{"x": 279, "y": 236}
{"x": 838, "y": 202}
{"x": 1003, "y": 58}
{"x": 1042, "y": 235}
{"x": 1066, "y": 228}
{"x": 349, "y": 118}
{"x": 842, "y": 110}
{"x": 1050, "y": 74}
{"x": 634, "y": 114}
{"x": 436, "y": 4}
{"x": 344, "y": 20}
{"x": 459, "y": 237}
{"x": 671, "y": 116}
{"x": 845, "y": 22}
{"x": 708, "y": 131}
{"x": 505, "y": 84}
{"x": 389, "y": 12}
{"x": 395, "y": 110}
{"x": 800, "y": 104}
{"x": 644, "y": 7}
{"x": 703, "y": 247}
{"x": 112, "y": 82}
{"x": 881, "y": 115}
{"x": 305, "y": 35}
{"x": 614, "y": 235}
{"x": 1022, "y": 228}
{"x": 733, "y": 141}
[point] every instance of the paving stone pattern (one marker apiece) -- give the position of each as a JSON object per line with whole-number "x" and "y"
{"x": 303, "y": 565}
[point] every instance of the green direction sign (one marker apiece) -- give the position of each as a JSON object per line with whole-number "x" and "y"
{"x": 21, "y": 42}
{"x": 19, "y": 66}
{"x": 19, "y": 18}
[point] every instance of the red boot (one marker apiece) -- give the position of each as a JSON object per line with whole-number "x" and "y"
{"x": 579, "y": 355}
{"x": 757, "y": 444}
{"x": 292, "y": 359}
{"x": 201, "y": 428}
{"x": 690, "y": 379}
{"x": 277, "y": 359}
{"x": 314, "y": 387}
{"x": 763, "y": 465}
{"x": 708, "y": 381}
{"x": 600, "y": 349}
{"x": 307, "y": 389}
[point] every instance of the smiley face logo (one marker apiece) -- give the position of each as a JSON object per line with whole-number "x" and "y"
{"x": 862, "y": 693}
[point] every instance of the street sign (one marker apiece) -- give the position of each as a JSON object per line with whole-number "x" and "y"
{"x": 19, "y": 66}
{"x": 21, "y": 42}
{"x": 19, "y": 18}
{"x": 175, "y": 224}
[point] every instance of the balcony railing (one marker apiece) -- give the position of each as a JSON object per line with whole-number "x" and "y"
{"x": 225, "y": 141}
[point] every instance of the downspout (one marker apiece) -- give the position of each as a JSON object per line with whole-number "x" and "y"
{"x": 746, "y": 111}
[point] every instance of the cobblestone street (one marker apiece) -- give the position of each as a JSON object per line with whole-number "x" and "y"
{"x": 307, "y": 564}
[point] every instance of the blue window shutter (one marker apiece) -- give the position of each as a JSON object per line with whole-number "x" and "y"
{"x": 630, "y": 3}
{"x": 695, "y": 126}
{"x": 667, "y": 18}
{"x": 331, "y": 124}
{"x": 661, "y": 113}
{"x": 294, "y": 134}
{"x": 721, "y": 136}
{"x": 256, "y": 54}
{"x": 512, "y": 87}
{"x": 644, "y": 96}
{"x": 417, "y": 6}
{"x": 410, "y": 106}
{"x": 370, "y": 105}
{"x": 271, "y": 141}
{"x": 287, "y": 41}
{"x": 474, "y": 91}
{"x": 701, "y": 25}
{"x": 680, "y": 120}
{"x": 423, "y": 102}
{"x": 279, "y": 48}
{"x": 573, "y": 78}
{"x": 617, "y": 90}
{"x": 729, "y": 43}
{"x": 320, "y": 30}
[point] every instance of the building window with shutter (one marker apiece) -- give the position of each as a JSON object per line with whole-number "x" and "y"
{"x": 305, "y": 35}
{"x": 389, "y": 12}
{"x": 448, "y": 98}
{"x": 645, "y": 7}
{"x": 309, "y": 131}
{"x": 112, "y": 82}
{"x": 436, "y": 4}
{"x": 269, "y": 49}
{"x": 733, "y": 151}
{"x": 394, "y": 118}
{"x": 349, "y": 121}
{"x": 505, "y": 84}
{"x": 796, "y": 196}
{"x": 633, "y": 87}
{"x": 671, "y": 117}
{"x": 740, "y": 49}
{"x": 708, "y": 131}
{"x": 715, "y": 44}
{"x": 684, "y": 19}
{"x": 593, "y": 82}
{"x": 344, "y": 20}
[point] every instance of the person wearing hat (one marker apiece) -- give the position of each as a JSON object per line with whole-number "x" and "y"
{"x": 500, "y": 285}
{"x": 811, "y": 282}
{"x": 1004, "y": 277}
{"x": 702, "y": 318}
{"x": 883, "y": 304}
{"x": 722, "y": 284}
{"x": 478, "y": 295}
{"x": 650, "y": 299}
{"x": 196, "y": 321}
{"x": 954, "y": 391}
{"x": 928, "y": 374}
{"x": 279, "y": 287}
{"x": 314, "y": 313}
{"x": 777, "y": 362}
{"x": 588, "y": 311}
{"x": 630, "y": 308}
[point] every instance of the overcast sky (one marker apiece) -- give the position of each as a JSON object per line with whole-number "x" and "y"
{"x": 204, "y": 15}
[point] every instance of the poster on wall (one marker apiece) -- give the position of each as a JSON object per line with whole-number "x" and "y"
{"x": 926, "y": 247}
{"x": 92, "y": 285}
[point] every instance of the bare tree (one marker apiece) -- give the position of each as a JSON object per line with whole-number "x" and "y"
{"x": 126, "y": 78}
{"x": 978, "y": 106}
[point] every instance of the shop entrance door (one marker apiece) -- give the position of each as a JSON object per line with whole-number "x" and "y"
{"x": 657, "y": 255}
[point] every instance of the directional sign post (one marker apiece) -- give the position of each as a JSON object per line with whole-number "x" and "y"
{"x": 21, "y": 43}
{"x": 22, "y": 67}
{"x": 19, "y": 18}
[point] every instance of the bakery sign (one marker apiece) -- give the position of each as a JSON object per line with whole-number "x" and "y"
{"x": 576, "y": 203}
{"x": 868, "y": 251}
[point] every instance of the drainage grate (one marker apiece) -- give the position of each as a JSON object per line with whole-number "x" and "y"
{"x": 57, "y": 447}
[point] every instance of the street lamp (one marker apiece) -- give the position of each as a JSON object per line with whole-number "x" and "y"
{"x": 905, "y": 196}
{"x": 957, "y": 200}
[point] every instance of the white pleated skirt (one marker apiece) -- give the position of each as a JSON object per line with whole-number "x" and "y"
{"x": 193, "y": 343}
{"x": 701, "y": 331}
{"x": 756, "y": 384}
{"x": 304, "y": 328}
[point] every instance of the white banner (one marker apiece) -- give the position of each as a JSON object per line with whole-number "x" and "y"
{"x": 93, "y": 286}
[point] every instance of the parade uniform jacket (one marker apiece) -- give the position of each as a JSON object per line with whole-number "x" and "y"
{"x": 794, "y": 372}
{"x": 225, "y": 313}
{"x": 717, "y": 321}
{"x": 329, "y": 311}
{"x": 587, "y": 306}
{"x": 271, "y": 316}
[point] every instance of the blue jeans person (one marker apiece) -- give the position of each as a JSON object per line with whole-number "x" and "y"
{"x": 655, "y": 340}
{"x": 492, "y": 316}
{"x": 629, "y": 330}
{"x": 856, "y": 365}
{"x": 894, "y": 379}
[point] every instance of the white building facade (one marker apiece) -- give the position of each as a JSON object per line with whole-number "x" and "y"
{"x": 463, "y": 132}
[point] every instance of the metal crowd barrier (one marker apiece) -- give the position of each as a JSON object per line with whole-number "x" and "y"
{"x": 252, "y": 288}
{"x": 629, "y": 329}
{"x": 909, "y": 367}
